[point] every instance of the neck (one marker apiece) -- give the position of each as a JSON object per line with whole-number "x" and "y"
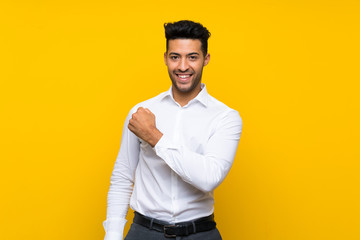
{"x": 184, "y": 97}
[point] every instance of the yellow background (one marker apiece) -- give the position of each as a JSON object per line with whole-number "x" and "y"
{"x": 71, "y": 70}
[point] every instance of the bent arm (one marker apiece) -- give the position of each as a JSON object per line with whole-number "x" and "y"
{"x": 204, "y": 171}
{"x": 121, "y": 184}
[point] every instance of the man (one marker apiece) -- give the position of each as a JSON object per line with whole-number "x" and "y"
{"x": 176, "y": 148}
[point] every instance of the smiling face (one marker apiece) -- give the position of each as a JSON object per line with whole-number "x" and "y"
{"x": 185, "y": 61}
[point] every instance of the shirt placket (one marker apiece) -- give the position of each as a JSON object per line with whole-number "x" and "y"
{"x": 177, "y": 138}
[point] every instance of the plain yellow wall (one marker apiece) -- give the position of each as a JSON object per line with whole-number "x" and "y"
{"x": 71, "y": 70}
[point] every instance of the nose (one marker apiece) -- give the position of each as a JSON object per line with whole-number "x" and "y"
{"x": 183, "y": 65}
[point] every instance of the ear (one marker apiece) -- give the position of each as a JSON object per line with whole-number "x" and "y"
{"x": 207, "y": 59}
{"x": 165, "y": 58}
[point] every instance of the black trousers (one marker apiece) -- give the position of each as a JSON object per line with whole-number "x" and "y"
{"x": 138, "y": 232}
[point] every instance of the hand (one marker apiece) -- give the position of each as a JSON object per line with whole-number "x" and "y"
{"x": 143, "y": 125}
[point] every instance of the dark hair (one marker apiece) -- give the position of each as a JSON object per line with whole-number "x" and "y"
{"x": 186, "y": 29}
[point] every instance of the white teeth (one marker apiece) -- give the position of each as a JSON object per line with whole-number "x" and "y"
{"x": 183, "y": 76}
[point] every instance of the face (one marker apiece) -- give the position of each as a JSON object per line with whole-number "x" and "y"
{"x": 185, "y": 61}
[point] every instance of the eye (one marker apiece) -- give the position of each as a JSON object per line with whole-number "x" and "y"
{"x": 174, "y": 57}
{"x": 193, "y": 57}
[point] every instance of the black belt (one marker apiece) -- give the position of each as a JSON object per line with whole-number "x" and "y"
{"x": 176, "y": 229}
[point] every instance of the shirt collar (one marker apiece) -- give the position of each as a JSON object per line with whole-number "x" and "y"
{"x": 202, "y": 97}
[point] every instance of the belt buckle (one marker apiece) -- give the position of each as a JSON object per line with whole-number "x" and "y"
{"x": 169, "y": 235}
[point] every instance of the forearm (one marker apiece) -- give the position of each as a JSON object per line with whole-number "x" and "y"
{"x": 207, "y": 170}
{"x": 115, "y": 220}
{"x": 204, "y": 172}
{"x": 117, "y": 206}
{"x": 118, "y": 200}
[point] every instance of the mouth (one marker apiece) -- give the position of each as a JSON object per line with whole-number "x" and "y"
{"x": 183, "y": 78}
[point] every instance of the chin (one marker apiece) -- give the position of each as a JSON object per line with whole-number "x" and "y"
{"x": 184, "y": 88}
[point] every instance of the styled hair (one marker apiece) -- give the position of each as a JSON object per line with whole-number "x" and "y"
{"x": 186, "y": 29}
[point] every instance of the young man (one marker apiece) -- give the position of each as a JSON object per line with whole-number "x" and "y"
{"x": 176, "y": 148}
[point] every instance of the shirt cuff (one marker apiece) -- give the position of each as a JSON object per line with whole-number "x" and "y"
{"x": 113, "y": 236}
{"x": 114, "y": 228}
{"x": 163, "y": 143}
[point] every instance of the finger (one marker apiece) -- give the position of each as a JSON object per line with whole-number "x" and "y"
{"x": 147, "y": 110}
{"x": 131, "y": 126}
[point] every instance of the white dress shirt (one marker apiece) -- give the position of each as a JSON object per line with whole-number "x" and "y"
{"x": 175, "y": 180}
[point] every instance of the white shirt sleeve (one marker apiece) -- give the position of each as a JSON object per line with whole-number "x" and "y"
{"x": 204, "y": 171}
{"x": 121, "y": 184}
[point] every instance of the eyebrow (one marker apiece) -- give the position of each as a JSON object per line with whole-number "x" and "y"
{"x": 189, "y": 54}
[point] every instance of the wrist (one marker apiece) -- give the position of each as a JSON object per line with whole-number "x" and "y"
{"x": 155, "y": 137}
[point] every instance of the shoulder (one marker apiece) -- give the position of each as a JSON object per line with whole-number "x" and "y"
{"x": 228, "y": 119}
{"x": 223, "y": 110}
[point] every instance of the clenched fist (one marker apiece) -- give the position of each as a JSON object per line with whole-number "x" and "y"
{"x": 143, "y": 125}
